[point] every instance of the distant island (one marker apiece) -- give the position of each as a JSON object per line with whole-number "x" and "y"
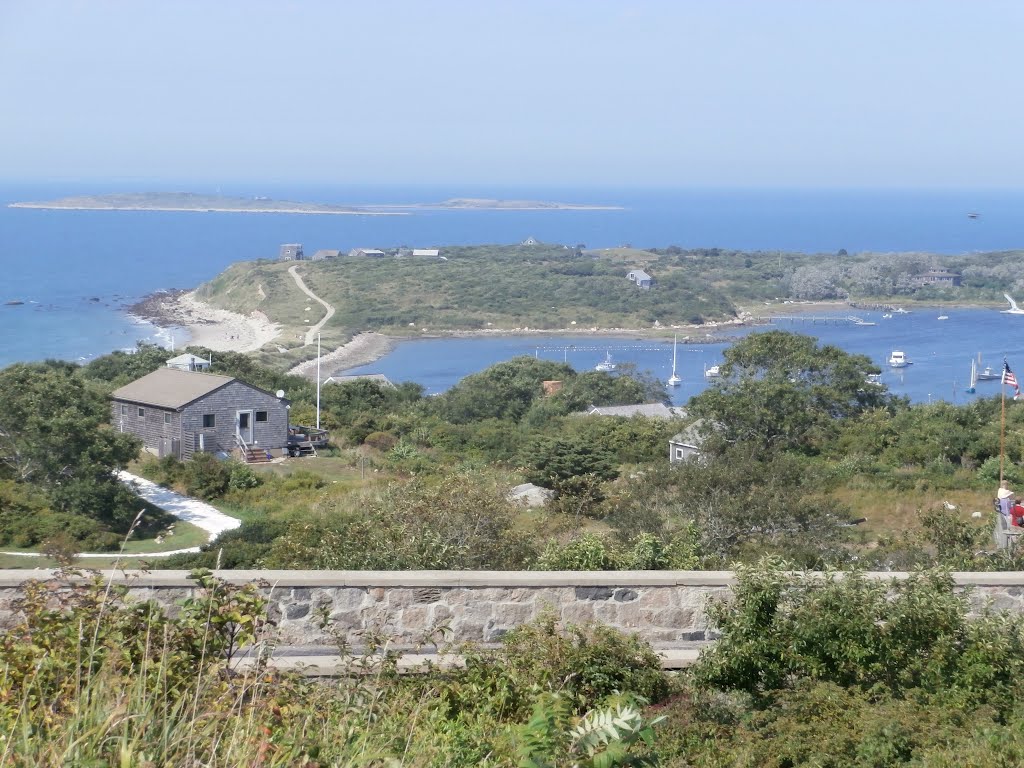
{"x": 191, "y": 201}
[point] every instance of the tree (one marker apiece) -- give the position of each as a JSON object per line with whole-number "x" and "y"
{"x": 554, "y": 462}
{"x": 54, "y": 435}
{"x": 503, "y": 391}
{"x": 781, "y": 390}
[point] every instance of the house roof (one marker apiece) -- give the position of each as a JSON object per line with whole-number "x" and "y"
{"x": 171, "y": 387}
{"x": 692, "y": 436}
{"x": 639, "y": 274}
{"x": 425, "y": 251}
{"x": 650, "y": 410}
{"x": 188, "y": 359}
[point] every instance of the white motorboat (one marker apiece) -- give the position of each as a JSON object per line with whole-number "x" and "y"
{"x": 898, "y": 359}
{"x": 675, "y": 379}
{"x": 901, "y": 311}
{"x": 989, "y": 375}
{"x": 942, "y": 317}
{"x": 887, "y": 316}
{"x": 713, "y": 372}
{"x": 606, "y": 365}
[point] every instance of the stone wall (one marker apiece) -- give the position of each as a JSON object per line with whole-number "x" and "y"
{"x": 664, "y": 607}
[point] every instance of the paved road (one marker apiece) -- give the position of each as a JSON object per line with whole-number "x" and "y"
{"x": 314, "y": 330}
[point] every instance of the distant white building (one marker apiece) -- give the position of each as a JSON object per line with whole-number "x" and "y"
{"x": 189, "y": 362}
{"x": 428, "y": 252}
{"x": 371, "y": 252}
{"x": 641, "y": 278}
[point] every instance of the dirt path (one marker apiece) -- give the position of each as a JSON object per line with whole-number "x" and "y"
{"x": 313, "y": 331}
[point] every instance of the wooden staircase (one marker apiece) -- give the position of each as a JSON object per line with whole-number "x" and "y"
{"x": 251, "y": 454}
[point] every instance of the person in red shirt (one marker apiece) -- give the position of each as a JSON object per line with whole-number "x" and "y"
{"x": 1017, "y": 513}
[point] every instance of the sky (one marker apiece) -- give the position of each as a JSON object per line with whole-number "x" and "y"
{"x": 680, "y": 93}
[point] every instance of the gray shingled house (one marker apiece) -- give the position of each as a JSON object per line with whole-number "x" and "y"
{"x": 178, "y": 413}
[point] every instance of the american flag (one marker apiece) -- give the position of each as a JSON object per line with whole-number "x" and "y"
{"x": 1009, "y": 378}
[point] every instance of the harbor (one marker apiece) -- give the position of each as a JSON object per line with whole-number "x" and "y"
{"x": 941, "y": 352}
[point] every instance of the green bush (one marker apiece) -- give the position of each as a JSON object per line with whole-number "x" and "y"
{"x": 206, "y": 477}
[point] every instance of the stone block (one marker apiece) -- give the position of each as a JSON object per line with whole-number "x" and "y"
{"x": 594, "y": 593}
{"x": 513, "y": 614}
{"x": 578, "y": 613}
{"x": 346, "y": 620}
{"x": 625, "y": 595}
{"x": 673, "y": 618}
{"x": 416, "y": 618}
{"x": 377, "y": 593}
{"x": 493, "y": 633}
{"x": 348, "y": 598}
{"x": 301, "y": 593}
{"x": 656, "y": 597}
{"x": 295, "y": 611}
{"x": 399, "y": 598}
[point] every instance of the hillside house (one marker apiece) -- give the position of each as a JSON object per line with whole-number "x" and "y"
{"x": 686, "y": 445}
{"x": 291, "y": 252}
{"x": 430, "y": 253}
{"x": 641, "y": 278}
{"x": 372, "y": 253}
{"x": 178, "y": 413}
{"x": 940, "y": 277}
{"x": 189, "y": 362}
{"x": 325, "y": 253}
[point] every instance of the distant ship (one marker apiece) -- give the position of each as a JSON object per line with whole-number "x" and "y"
{"x": 606, "y": 365}
{"x": 973, "y": 215}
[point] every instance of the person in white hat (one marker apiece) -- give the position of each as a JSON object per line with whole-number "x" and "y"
{"x": 1005, "y": 497}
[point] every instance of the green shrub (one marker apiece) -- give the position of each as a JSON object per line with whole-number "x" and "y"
{"x": 206, "y": 477}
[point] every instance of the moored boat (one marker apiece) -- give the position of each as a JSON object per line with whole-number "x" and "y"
{"x": 898, "y": 359}
{"x": 606, "y": 365}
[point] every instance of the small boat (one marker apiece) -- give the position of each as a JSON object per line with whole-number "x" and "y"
{"x": 713, "y": 372}
{"x": 887, "y": 316}
{"x": 901, "y": 311}
{"x": 973, "y": 215}
{"x": 989, "y": 375}
{"x": 606, "y": 365}
{"x": 974, "y": 378}
{"x": 861, "y": 321}
{"x": 942, "y": 317}
{"x": 898, "y": 359}
{"x": 674, "y": 380}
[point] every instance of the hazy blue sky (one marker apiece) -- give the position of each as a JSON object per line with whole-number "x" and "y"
{"x": 758, "y": 93}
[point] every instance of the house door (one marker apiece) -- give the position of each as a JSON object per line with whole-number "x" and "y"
{"x": 245, "y": 426}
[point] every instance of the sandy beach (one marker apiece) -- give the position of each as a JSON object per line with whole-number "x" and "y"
{"x": 208, "y": 326}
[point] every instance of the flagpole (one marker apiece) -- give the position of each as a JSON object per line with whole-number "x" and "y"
{"x": 1002, "y": 428}
{"x": 317, "y": 391}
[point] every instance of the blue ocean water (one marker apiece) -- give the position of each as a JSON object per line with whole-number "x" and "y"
{"x": 76, "y": 270}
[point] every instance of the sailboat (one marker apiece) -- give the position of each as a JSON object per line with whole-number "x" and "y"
{"x": 675, "y": 379}
{"x": 974, "y": 377}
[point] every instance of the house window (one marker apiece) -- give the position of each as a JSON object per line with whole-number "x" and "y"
{"x": 261, "y": 415}
{"x": 142, "y": 413}
{"x": 209, "y": 421}
{"x": 679, "y": 453}
{"x": 124, "y": 410}
{"x": 167, "y": 418}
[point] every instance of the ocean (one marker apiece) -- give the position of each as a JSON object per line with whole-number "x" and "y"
{"x": 76, "y": 271}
